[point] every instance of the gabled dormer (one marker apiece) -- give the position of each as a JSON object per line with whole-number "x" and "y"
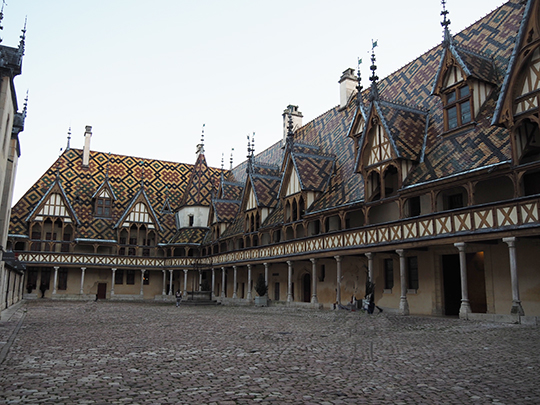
{"x": 390, "y": 147}
{"x": 53, "y": 205}
{"x": 139, "y": 212}
{"x": 103, "y": 200}
{"x": 463, "y": 82}
{"x": 519, "y": 100}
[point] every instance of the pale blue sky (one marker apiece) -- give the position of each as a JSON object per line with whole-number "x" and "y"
{"x": 147, "y": 75}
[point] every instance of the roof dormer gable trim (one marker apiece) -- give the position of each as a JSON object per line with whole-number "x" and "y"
{"x": 140, "y": 197}
{"x": 55, "y": 189}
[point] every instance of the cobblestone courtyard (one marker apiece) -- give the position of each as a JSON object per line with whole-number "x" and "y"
{"x": 135, "y": 353}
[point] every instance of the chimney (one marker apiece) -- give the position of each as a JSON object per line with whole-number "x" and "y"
{"x": 86, "y": 150}
{"x": 296, "y": 120}
{"x": 347, "y": 86}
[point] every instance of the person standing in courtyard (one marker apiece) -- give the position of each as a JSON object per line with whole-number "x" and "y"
{"x": 178, "y": 298}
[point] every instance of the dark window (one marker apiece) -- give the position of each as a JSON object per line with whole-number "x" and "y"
{"x": 190, "y": 220}
{"x": 132, "y": 241}
{"x": 62, "y": 279}
{"x": 412, "y": 271}
{"x": 103, "y": 207}
{"x": 119, "y": 277}
{"x": 130, "y": 277}
{"x": 46, "y": 278}
{"x": 455, "y": 201}
{"x": 458, "y": 108}
{"x": 146, "y": 277}
{"x": 388, "y": 274}
{"x": 414, "y": 206}
{"x": 276, "y": 292}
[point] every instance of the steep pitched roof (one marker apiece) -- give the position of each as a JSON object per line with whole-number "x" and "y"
{"x": 189, "y": 236}
{"x": 202, "y": 182}
{"x": 162, "y": 179}
{"x": 265, "y": 182}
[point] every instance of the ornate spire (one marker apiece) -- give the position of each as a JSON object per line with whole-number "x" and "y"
{"x": 374, "y": 95}
{"x": 231, "y": 160}
{"x": 222, "y": 160}
{"x": 200, "y": 147}
{"x": 2, "y": 17}
{"x": 68, "y": 139}
{"x": 359, "y": 85}
{"x": 290, "y": 134}
{"x": 250, "y": 150}
{"x": 447, "y": 38}
{"x": 23, "y": 39}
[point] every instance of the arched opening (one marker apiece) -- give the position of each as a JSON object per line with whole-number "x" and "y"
{"x": 374, "y": 186}
{"x": 294, "y": 211}
{"x": 289, "y": 233}
{"x": 302, "y": 207}
{"x": 314, "y": 227}
{"x": 288, "y": 211}
{"x": 531, "y": 183}
{"x": 391, "y": 179}
{"x": 451, "y": 199}
{"x": 527, "y": 137}
{"x": 300, "y": 232}
{"x": 383, "y": 213}
{"x": 491, "y": 190}
{"x": 354, "y": 219}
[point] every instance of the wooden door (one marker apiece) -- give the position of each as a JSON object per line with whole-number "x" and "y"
{"x": 102, "y": 291}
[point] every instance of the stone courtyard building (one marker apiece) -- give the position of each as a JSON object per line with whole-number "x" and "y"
{"x": 426, "y": 183}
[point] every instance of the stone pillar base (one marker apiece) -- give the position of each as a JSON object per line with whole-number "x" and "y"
{"x": 464, "y": 309}
{"x": 517, "y": 309}
{"x": 403, "y": 306}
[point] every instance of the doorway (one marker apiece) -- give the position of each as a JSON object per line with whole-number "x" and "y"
{"x": 476, "y": 283}
{"x": 451, "y": 284}
{"x": 306, "y": 284}
{"x": 102, "y": 291}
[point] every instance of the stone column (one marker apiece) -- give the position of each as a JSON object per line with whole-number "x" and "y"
{"x": 55, "y": 279}
{"x": 266, "y": 265}
{"x": 403, "y": 304}
{"x": 142, "y": 282}
{"x": 164, "y": 282}
{"x": 338, "y": 284}
{"x": 289, "y": 282}
{"x": 234, "y": 283}
{"x": 113, "y": 281}
{"x": 200, "y": 281}
{"x": 170, "y": 281}
{"x": 516, "y": 302}
{"x": 370, "y": 265}
{"x": 465, "y": 307}
{"x": 314, "y": 281}
{"x": 248, "y": 296}
{"x": 223, "y": 282}
{"x": 83, "y": 270}
{"x": 213, "y": 283}
{"x": 185, "y": 283}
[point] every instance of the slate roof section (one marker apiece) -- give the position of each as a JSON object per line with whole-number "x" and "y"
{"x": 189, "y": 236}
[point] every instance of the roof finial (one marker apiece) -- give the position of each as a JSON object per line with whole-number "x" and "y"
{"x": 359, "y": 85}
{"x": 374, "y": 95}
{"x": 25, "y": 108}
{"x": 69, "y": 138}
{"x": 2, "y": 17}
{"x": 231, "y": 160}
{"x": 447, "y": 38}
{"x": 200, "y": 147}
{"x": 23, "y": 39}
{"x": 222, "y": 160}
{"x": 58, "y": 165}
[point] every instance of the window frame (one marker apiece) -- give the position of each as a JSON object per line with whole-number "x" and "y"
{"x": 457, "y": 103}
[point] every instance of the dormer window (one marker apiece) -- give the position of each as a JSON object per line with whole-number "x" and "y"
{"x": 191, "y": 219}
{"x": 103, "y": 207}
{"x": 457, "y": 109}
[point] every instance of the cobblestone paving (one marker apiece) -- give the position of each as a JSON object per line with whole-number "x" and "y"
{"x": 135, "y": 353}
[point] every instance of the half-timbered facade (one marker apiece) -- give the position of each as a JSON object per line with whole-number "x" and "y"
{"x": 426, "y": 183}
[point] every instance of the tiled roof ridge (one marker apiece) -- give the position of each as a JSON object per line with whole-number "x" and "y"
{"x": 474, "y": 52}
{"x": 265, "y": 165}
{"x": 401, "y": 104}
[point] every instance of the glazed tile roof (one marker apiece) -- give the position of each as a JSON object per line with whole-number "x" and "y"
{"x": 265, "y": 181}
{"x": 202, "y": 183}
{"x": 226, "y": 210}
{"x": 161, "y": 180}
{"x": 189, "y": 236}
{"x": 313, "y": 167}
